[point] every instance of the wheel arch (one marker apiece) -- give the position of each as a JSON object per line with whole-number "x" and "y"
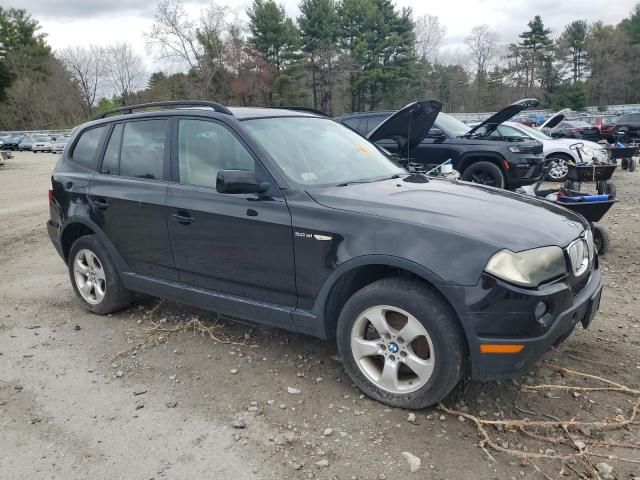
{"x": 356, "y": 274}
{"x": 559, "y": 154}
{"x": 76, "y": 227}
{"x": 469, "y": 158}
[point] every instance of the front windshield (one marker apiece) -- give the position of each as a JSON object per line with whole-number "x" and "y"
{"x": 316, "y": 151}
{"x": 534, "y": 133}
{"x": 43, "y": 139}
{"x": 451, "y": 126}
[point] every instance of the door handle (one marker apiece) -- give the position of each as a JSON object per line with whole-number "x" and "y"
{"x": 183, "y": 217}
{"x": 101, "y": 203}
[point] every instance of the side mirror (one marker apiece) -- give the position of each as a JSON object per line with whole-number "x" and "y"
{"x": 435, "y": 133}
{"x": 239, "y": 181}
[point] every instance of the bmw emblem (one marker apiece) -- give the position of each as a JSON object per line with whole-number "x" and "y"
{"x": 393, "y": 347}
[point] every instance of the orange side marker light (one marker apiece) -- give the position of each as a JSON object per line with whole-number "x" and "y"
{"x": 500, "y": 348}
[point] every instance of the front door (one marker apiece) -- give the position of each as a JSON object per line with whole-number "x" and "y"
{"x": 239, "y": 244}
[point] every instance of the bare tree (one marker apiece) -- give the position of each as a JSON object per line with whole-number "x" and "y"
{"x": 429, "y": 36}
{"x": 126, "y": 71}
{"x": 88, "y": 67}
{"x": 197, "y": 45}
{"x": 483, "y": 47}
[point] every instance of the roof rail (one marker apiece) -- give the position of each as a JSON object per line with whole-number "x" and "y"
{"x": 315, "y": 111}
{"x": 218, "y": 107}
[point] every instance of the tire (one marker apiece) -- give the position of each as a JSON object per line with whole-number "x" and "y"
{"x": 624, "y": 163}
{"x": 610, "y": 189}
{"x": 558, "y": 173}
{"x": 632, "y": 164}
{"x": 600, "y": 240}
{"x": 571, "y": 185}
{"x": 484, "y": 173}
{"x": 114, "y": 296}
{"x": 442, "y": 346}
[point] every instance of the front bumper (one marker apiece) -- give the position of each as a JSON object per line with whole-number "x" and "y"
{"x": 526, "y": 170}
{"x": 537, "y": 340}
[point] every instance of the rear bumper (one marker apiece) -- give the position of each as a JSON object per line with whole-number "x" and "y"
{"x": 53, "y": 229}
{"x": 582, "y": 309}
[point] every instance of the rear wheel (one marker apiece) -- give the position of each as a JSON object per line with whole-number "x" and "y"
{"x": 632, "y": 164}
{"x": 400, "y": 343}
{"x": 94, "y": 278}
{"x": 484, "y": 173}
{"x": 624, "y": 163}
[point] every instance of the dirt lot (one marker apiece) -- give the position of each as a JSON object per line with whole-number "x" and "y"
{"x": 83, "y": 396}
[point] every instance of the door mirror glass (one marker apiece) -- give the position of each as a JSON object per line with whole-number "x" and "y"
{"x": 436, "y": 133}
{"x": 239, "y": 181}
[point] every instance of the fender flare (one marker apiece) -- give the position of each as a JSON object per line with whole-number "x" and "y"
{"x": 120, "y": 264}
{"x": 448, "y": 292}
{"x": 494, "y": 157}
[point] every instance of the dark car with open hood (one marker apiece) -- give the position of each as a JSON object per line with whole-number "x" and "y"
{"x": 287, "y": 218}
{"x": 477, "y": 153}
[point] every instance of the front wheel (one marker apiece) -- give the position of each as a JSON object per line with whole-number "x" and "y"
{"x": 400, "y": 343}
{"x": 484, "y": 173}
{"x": 94, "y": 277}
{"x": 600, "y": 240}
{"x": 558, "y": 169}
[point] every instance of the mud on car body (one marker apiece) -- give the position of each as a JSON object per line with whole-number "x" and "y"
{"x": 290, "y": 219}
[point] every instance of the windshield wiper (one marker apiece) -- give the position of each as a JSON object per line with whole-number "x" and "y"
{"x": 355, "y": 182}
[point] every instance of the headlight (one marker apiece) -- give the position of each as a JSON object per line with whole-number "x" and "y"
{"x": 529, "y": 268}
{"x": 588, "y": 151}
{"x": 515, "y": 149}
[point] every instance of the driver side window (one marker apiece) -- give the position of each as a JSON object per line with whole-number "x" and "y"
{"x": 204, "y": 148}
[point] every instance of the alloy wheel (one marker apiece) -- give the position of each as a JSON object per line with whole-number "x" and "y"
{"x": 392, "y": 349}
{"x": 559, "y": 169}
{"x": 89, "y": 276}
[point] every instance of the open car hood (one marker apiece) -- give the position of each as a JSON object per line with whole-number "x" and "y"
{"x": 555, "y": 119}
{"x": 491, "y": 123}
{"x": 409, "y": 126}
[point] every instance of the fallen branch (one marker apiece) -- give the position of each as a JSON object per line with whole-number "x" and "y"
{"x": 214, "y": 331}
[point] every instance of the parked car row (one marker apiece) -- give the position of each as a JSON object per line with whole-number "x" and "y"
{"x": 39, "y": 143}
{"x": 592, "y": 127}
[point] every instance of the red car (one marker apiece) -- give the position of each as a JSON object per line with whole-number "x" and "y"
{"x": 606, "y": 124}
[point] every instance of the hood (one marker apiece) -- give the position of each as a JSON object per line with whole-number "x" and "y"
{"x": 409, "y": 126}
{"x": 572, "y": 141}
{"x": 491, "y": 123}
{"x": 555, "y": 119}
{"x": 498, "y": 217}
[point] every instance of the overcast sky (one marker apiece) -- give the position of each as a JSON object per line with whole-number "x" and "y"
{"x": 73, "y": 22}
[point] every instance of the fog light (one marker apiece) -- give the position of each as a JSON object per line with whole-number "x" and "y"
{"x": 541, "y": 309}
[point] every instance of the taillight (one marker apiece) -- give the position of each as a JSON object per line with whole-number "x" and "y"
{"x": 51, "y": 200}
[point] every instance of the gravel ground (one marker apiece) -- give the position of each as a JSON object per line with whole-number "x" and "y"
{"x": 83, "y": 396}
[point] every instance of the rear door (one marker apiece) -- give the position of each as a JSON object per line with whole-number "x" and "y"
{"x": 127, "y": 196}
{"x": 239, "y": 244}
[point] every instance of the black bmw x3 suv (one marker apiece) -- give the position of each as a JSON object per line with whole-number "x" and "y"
{"x": 479, "y": 153}
{"x": 290, "y": 219}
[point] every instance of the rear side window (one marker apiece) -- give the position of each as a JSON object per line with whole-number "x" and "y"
{"x": 111, "y": 160}
{"x": 355, "y": 124}
{"x": 142, "y": 152}
{"x": 86, "y": 150}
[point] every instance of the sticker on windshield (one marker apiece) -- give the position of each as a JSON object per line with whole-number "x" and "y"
{"x": 309, "y": 176}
